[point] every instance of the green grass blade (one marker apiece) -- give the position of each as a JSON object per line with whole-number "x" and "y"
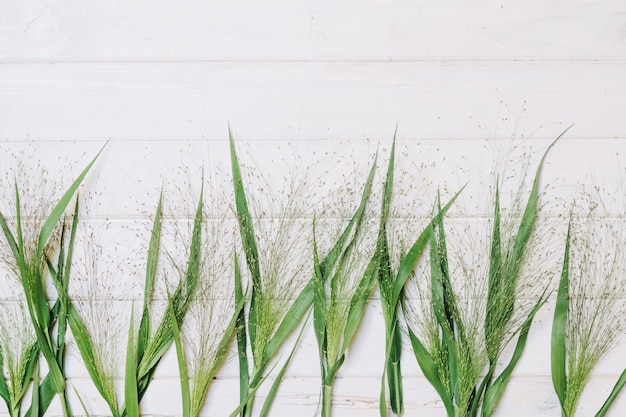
{"x": 319, "y": 309}
{"x": 558, "y": 351}
{"x": 386, "y": 287}
{"x": 9, "y": 236}
{"x": 182, "y": 364}
{"x": 431, "y": 372}
{"x": 92, "y": 362}
{"x": 143, "y": 334}
{"x": 4, "y": 388}
{"x": 269, "y": 400}
{"x": 153, "y": 253}
{"x": 358, "y": 302}
{"x": 614, "y": 393}
{"x": 528, "y": 218}
{"x": 494, "y": 392}
{"x": 248, "y": 239}
{"x": 496, "y": 301}
{"x": 59, "y": 209}
{"x": 246, "y": 228}
{"x": 181, "y": 297}
{"x": 82, "y": 403}
{"x": 394, "y": 370}
{"x": 382, "y": 400}
{"x": 131, "y": 398}
{"x": 198, "y": 394}
{"x": 415, "y": 252}
{"x": 34, "y": 402}
{"x": 242, "y": 344}
{"x": 46, "y": 395}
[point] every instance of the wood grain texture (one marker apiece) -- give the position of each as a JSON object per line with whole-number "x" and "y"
{"x": 327, "y": 81}
{"x": 323, "y": 101}
{"x": 108, "y": 30}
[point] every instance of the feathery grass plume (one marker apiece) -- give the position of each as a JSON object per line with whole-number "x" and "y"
{"x": 590, "y": 314}
{"x": 483, "y": 292}
{"x": 17, "y": 346}
{"x": 277, "y": 253}
{"x": 203, "y": 339}
{"x": 33, "y": 228}
{"x": 145, "y": 347}
{"x": 100, "y": 300}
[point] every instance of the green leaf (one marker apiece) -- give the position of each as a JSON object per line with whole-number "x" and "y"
{"x": 559, "y": 324}
{"x": 182, "y": 364}
{"x": 131, "y": 398}
{"x": 82, "y": 403}
{"x": 269, "y": 400}
{"x": 246, "y": 228}
{"x": 201, "y": 385}
{"x": 358, "y": 302}
{"x": 242, "y": 345}
{"x": 46, "y": 395}
{"x": 319, "y": 309}
{"x": 614, "y": 393}
{"x": 91, "y": 360}
{"x": 494, "y": 392}
{"x": 34, "y": 403}
{"x": 431, "y": 372}
{"x": 4, "y": 388}
{"x": 143, "y": 334}
{"x": 528, "y": 218}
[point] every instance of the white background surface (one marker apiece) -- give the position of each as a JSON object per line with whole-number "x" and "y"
{"x": 161, "y": 81}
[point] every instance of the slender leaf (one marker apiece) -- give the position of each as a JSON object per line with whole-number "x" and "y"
{"x": 131, "y": 399}
{"x": 614, "y": 393}
{"x": 559, "y": 324}
{"x": 430, "y": 369}
{"x": 182, "y": 364}
{"x": 494, "y": 392}
{"x": 269, "y": 400}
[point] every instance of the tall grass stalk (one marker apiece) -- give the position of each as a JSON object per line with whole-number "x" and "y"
{"x": 396, "y": 262}
{"x": 33, "y": 234}
{"x": 146, "y": 346}
{"x": 343, "y": 281}
{"x": 273, "y": 254}
{"x": 282, "y": 284}
{"x": 474, "y": 307}
{"x": 590, "y": 313}
{"x": 203, "y": 340}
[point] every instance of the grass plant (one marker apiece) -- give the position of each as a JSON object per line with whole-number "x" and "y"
{"x": 343, "y": 280}
{"x": 279, "y": 293}
{"x": 203, "y": 340}
{"x": 33, "y": 234}
{"x": 473, "y": 309}
{"x": 590, "y": 313}
{"x": 282, "y": 283}
{"x": 146, "y": 346}
{"x": 395, "y": 266}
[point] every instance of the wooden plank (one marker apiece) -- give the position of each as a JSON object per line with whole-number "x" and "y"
{"x": 321, "y": 101}
{"x": 94, "y": 30}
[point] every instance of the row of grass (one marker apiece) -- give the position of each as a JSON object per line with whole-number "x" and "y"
{"x": 459, "y": 346}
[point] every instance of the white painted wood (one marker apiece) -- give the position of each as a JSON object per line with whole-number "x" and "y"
{"x": 322, "y": 101}
{"x": 108, "y": 30}
{"x": 327, "y": 81}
